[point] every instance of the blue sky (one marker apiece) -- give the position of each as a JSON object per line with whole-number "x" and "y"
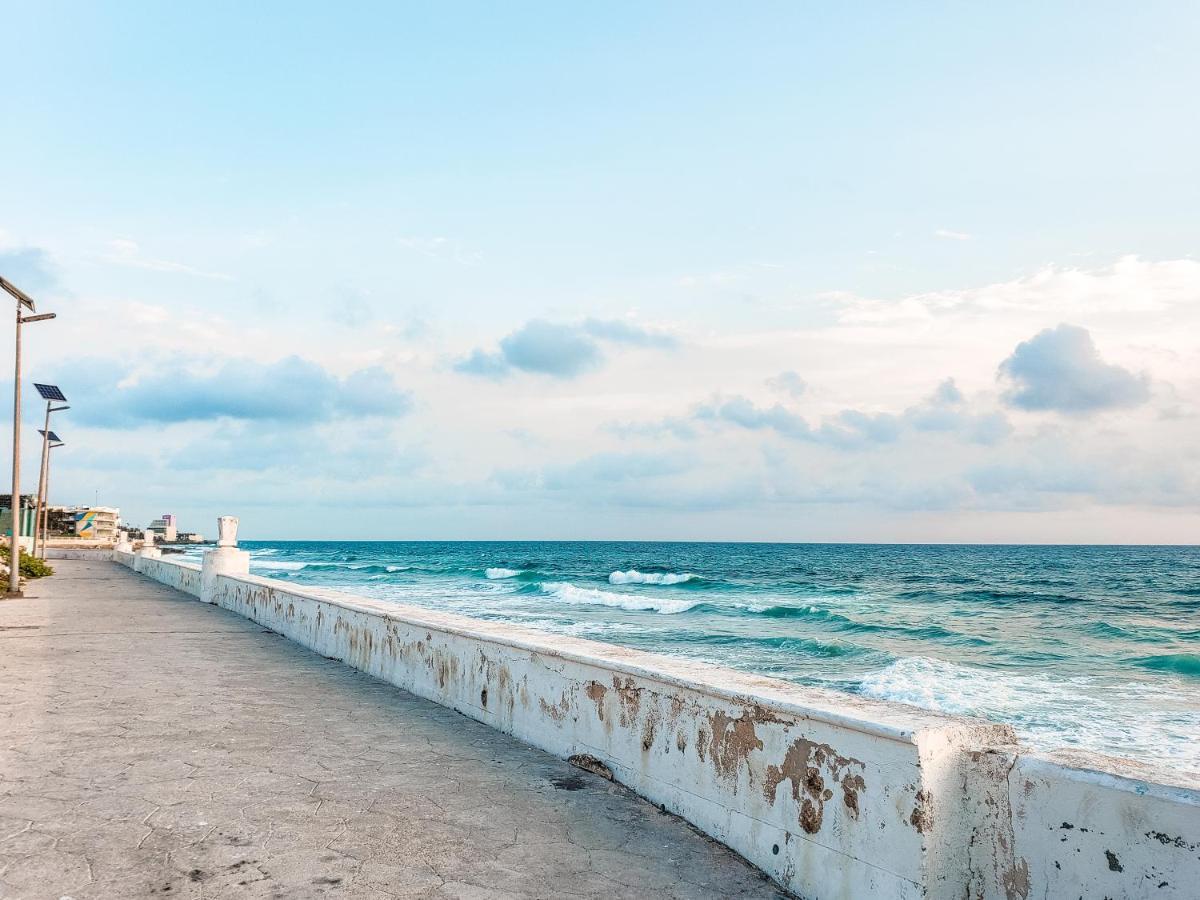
{"x": 785, "y": 272}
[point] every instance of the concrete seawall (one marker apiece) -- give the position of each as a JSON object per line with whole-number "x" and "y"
{"x": 832, "y": 795}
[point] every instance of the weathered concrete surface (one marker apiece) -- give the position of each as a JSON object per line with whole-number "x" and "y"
{"x": 154, "y": 746}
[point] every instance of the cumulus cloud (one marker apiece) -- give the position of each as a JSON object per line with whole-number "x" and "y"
{"x": 559, "y": 350}
{"x": 484, "y": 364}
{"x": 849, "y": 428}
{"x": 1059, "y": 369}
{"x": 946, "y": 410}
{"x": 789, "y": 383}
{"x": 622, "y": 332}
{"x": 550, "y": 349}
{"x": 290, "y": 390}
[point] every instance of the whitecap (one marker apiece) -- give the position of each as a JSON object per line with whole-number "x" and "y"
{"x": 283, "y": 566}
{"x": 497, "y": 573}
{"x": 633, "y": 576}
{"x": 569, "y": 593}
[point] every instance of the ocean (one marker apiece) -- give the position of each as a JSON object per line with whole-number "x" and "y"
{"x": 1093, "y": 648}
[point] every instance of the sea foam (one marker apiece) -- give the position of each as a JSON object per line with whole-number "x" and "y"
{"x": 1145, "y": 720}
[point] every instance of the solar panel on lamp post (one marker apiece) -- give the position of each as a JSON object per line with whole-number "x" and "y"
{"x": 51, "y": 394}
{"x": 41, "y": 522}
{"x": 26, "y": 302}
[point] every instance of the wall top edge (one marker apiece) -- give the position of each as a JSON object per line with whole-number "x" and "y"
{"x": 1116, "y": 773}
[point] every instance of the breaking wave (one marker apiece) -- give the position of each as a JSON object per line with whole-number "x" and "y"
{"x": 497, "y": 573}
{"x": 569, "y": 593}
{"x": 633, "y": 576}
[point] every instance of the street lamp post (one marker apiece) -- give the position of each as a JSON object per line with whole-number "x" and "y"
{"x": 14, "y": 562}
{"x": 51, "y": 394}
{"x": 41, "y": 522}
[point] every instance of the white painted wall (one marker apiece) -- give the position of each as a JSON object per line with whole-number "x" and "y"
{"x": 832, "y": 795}
{"x": 78, "y": 553}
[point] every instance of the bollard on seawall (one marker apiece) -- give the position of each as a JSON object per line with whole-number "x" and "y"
{"x": 149, "y": 551}
{"x": 227, "y": 559}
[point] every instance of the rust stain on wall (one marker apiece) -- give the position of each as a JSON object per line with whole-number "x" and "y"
{"x": 1016, "y": 882}
{"x": 630, "y": 697}
{"x": 851, "y": 785}
{"x": 807, "y": 765}
{"x": 922, "y": 814}
{"x": 732, "y": 741}
{"x": 596, "y": 692}
{"x": 648, "y": 729}
{"x": 556, "y": 711}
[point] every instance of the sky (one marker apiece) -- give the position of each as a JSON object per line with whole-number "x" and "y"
{"x": 672, "y": 271}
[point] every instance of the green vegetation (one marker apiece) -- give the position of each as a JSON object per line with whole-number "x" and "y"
{"x": 31, "y": 566}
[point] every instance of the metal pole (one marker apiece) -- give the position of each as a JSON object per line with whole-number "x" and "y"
{"x": 14, "y": 561}
{"x": 41, "y": 497}
{"x": 42, "y": 523}
{"x": 46, "y": 513}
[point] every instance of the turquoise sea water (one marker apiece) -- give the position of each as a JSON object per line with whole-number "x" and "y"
{"x": 1083, "y": 647}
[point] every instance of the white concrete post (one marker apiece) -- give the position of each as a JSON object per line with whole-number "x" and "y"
{"x": 123, "y": 543}
{"x": 149, "y": 551}
{"x": 227, "y": 559}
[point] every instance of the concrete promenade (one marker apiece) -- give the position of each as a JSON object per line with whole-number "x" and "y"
{"x": 154, "y": 746}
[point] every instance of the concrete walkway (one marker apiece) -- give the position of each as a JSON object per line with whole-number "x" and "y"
{"x": 154, "y": 746}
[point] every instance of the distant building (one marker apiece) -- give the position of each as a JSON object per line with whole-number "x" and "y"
{"x": 28, "y": 502}
{"x": 166, "y": 528}
{"x": 189, "y": 537}
{"x": 97, "y": 523}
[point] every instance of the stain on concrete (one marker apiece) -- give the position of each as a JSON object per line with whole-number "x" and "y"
{"x": 851, "y": 785}
{"x": 556, "y": 711}
{"x": 1114, "y": 864}
{"x": 1016, "y": 882}
{"x": 922, "y": 814}
{"x": 648, "y": 733}
{"x": 1172, "y": 840}
{"x": 630, "y": 697}
{"x": 596, "y": 692}
{"x": 806, "y": 765}
{"x": 731, "y": 742}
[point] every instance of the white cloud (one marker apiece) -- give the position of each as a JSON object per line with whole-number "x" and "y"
{"x": 125, "y": 252}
